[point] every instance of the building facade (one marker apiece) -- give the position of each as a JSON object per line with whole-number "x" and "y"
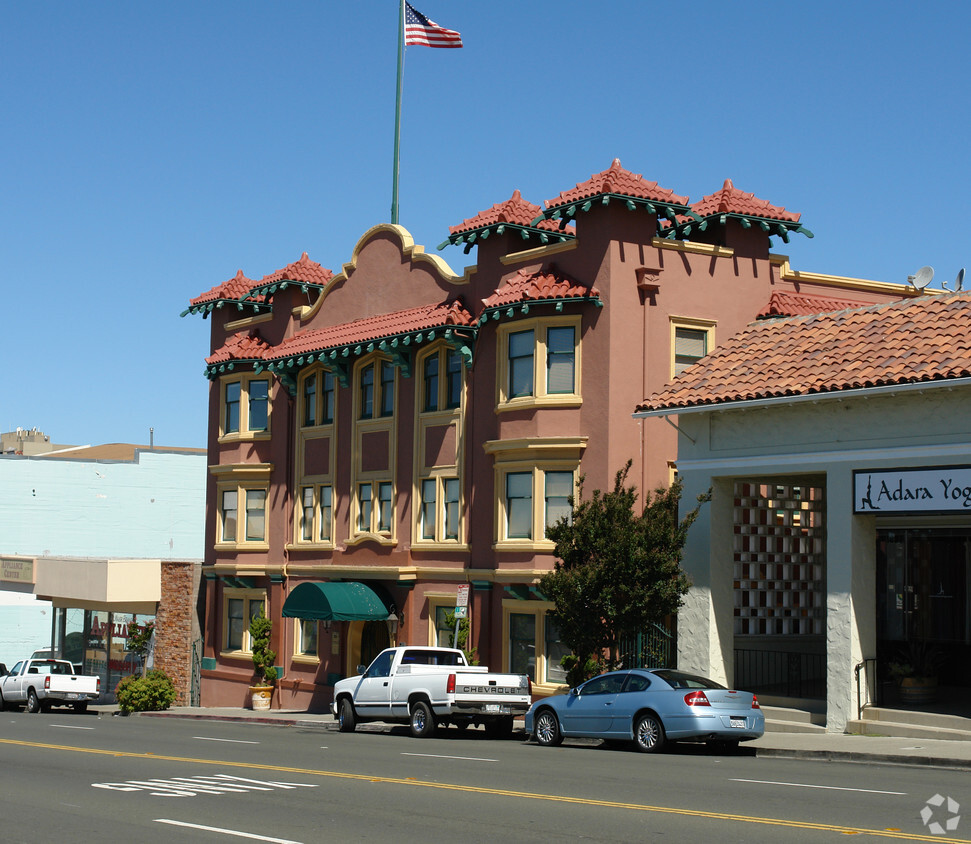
{"x": 382, "y": 436}
{"x": 98, "y": 537}
{"x": 838, "y": 540}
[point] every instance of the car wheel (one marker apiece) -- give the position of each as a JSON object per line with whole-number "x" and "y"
{"x": 80, "y": 707}
{"x": 422, "y": 720}
{"x": 346, "y": 719}
{"x": 649, "y": 733}
{"x": 3, "y": 704}
{"x": 547, "y": 729}
{"x": 33, "y": 703}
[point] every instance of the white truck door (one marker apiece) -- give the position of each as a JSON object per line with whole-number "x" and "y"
{"x": 373, "y": 696}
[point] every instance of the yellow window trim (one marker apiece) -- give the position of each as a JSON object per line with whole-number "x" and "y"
{"x": 706, "y": 325}
{"x": 538, "y": 541}
{"x": 540, "y": 396}
{"x": 244, "y": 434}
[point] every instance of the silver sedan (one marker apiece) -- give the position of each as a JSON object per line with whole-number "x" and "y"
{"x": 648, "y": 707}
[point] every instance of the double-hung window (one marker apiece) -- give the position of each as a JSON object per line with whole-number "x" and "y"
{"x": 439, "y": 513}
{"x": 376, "y": 386}
{"x": 245, "y": 406}
{"x": 691, "y": 340}
{"x": 316, "y": 513}
{"x": 540, "y": 362}
{"x": 375, "y": 503}
{"x": 533, "y": 643}
{"x": 442, "y": 380}
{"x": 242, "y": 515}
{"x": 240, "y": 607}
{"x": 534, "y": 484}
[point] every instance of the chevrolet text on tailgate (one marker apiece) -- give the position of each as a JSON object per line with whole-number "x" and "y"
{"x": 427, "y": 687}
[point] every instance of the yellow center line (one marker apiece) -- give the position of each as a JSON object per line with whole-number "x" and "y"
{"x": 502, "y": 792}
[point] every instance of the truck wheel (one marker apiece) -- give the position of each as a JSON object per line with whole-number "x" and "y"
{"x": 547, "y": 729}
{"x": 422, "y": 720}
{"x": 33, "y": 703}
{"x": 346, "y": 719}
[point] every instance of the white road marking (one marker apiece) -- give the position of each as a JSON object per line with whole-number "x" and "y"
{"x": 71, "y": 727}
{"x": 437, "y": 756}
{"x": 230, "y": 740}
{"x": 235, "y": 832}
{"x": 829, "y": 787}
{"x": 191, "y": 786}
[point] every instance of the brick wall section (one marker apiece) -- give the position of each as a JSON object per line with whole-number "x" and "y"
{"x": 175, "y": 626}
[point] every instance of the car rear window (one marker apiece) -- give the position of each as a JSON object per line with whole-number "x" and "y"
{"x": 419, "y": 657}
{"x": 682, "y": 680}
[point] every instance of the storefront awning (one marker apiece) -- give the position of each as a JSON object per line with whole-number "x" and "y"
{"x": 334, "y": 602}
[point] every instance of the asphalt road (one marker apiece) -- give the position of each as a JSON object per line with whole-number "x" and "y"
{"x": 83, "y": 778}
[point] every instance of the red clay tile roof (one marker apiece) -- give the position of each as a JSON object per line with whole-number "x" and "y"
{"x": 730, "y": 200}
{"x": 235, "y": 288}
{"x": 515, "y": 210}
{"x": 615, "y": 179}
{"x": 913, "y": 340}
{"x": 240, "y": 347}
{"x": 373, "y": 328}
{"x": 536, "y": 286}
{"x": 302, "y": 270}
{"x": 803, "y": 304}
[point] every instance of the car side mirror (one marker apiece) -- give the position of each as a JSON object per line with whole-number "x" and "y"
{"x": 575, "y": 691}
{"x": 361, "y": 669}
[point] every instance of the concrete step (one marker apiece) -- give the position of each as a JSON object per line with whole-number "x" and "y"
{"x": 792, "y": 719}
{"x": 918, "y": 719}
{"x": 867, "y": 727}
{"x": 772, "y": 726}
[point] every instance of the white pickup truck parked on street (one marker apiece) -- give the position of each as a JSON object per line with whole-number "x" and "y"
{"x": 428, "y": 686}
{"x": 39, "y": 684}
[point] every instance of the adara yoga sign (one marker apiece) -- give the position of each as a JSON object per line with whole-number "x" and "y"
{"x": 938, "y": 489}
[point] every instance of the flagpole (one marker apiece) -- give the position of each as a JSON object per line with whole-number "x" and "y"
{"x": 397, "y": 112}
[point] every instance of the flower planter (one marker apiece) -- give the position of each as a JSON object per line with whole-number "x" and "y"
{"x": 260, "y": 697}
{"x": 918, "y": 689}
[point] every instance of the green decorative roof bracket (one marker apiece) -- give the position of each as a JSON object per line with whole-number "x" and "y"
{"x": 402, "y": 359}
{"x": 465, "y": 346}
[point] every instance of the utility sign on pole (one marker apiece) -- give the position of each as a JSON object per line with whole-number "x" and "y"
{"x": 461, "y": 608}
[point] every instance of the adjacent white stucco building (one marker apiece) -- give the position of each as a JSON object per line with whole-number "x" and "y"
{"x": 838, "y": 452}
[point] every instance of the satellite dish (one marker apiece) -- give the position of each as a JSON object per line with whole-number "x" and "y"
{"x": 922, "y": 277}
{"x": 958, "y": 282}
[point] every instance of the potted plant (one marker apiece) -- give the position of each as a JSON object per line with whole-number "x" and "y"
{"x": 262, "y": 689}
{"x": 915, "y": 671}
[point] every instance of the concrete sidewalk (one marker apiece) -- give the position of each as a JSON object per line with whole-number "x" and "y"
{"x": 821, "y": 746}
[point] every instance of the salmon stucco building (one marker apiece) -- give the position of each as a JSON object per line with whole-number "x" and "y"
{"x": 387, "y": 436}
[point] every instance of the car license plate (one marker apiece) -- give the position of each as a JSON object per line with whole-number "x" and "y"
{"x": 496, "y": 709}
{"x": 72, "y": 696}
{"x": 737, "y": 722}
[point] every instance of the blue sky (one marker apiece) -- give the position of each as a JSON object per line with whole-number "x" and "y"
{"x": 150, "y": 150}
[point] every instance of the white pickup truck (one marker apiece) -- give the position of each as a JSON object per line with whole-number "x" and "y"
{"x": 427, "y": 687}
{"x": 39, "y": 684}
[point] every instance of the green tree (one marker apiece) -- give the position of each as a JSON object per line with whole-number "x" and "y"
{"x": 139, "y": 641}
{"x": 260, "y": 629}
{"x": 616, "y": 571}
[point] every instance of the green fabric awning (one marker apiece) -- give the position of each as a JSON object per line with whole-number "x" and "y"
{"x": 334, "y": 602}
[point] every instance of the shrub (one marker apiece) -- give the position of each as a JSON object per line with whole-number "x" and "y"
{"x": 151, "y": 693}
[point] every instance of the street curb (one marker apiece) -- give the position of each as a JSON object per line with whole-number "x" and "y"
{"x": 867, "y": 758}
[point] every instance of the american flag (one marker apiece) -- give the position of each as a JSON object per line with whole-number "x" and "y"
{"x": 426, "y": 33}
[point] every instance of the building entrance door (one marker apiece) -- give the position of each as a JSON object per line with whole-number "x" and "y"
{"x": 923, "y": 596}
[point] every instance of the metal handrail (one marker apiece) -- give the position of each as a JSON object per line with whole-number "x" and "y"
{"x": 864, "y": 669}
